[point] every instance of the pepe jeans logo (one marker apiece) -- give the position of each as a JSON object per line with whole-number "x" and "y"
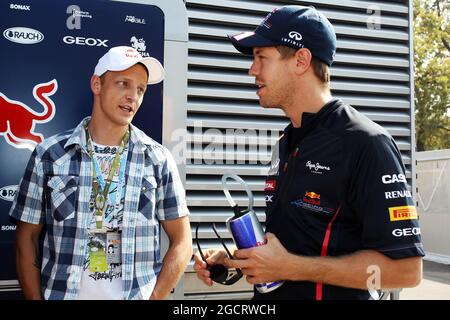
{"x": 317, "y": 168}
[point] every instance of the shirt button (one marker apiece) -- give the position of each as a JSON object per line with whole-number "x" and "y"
{"x": 82, "y": 247}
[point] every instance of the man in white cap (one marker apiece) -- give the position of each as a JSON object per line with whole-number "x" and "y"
{"x": 104, "y": 184}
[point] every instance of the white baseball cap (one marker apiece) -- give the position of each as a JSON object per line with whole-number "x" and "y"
{"x": 123, "y": 57}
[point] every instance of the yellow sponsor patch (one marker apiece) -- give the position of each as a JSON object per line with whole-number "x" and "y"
{"x": 402, "y": 213}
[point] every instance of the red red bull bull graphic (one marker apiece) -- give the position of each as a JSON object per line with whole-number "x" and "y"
{"x": 312, "y": 195}
{"x": 313, "y": 202}
{"x": 312, "y": 198}
{"x": 17, "y": 120}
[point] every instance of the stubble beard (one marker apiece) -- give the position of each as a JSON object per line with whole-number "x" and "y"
{"x": 271, "y": 101}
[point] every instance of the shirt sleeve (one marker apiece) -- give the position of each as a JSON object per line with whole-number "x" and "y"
{"x": 171, "y": 196}
{"x": 383, "y": 201}
{"x": 28, "y": 202}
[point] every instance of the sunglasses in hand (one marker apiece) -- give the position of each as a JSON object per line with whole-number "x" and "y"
{"x": 219, "y": 273}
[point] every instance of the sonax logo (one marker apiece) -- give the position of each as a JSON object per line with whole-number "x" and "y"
{"x": 19, "y": 7}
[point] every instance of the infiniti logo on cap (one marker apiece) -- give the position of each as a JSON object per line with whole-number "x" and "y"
{"x": 295, "y": 35}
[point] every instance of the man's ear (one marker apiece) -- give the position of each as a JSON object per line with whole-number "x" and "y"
{"x": 303, "y": 59}
{"x": 96, "y": 84}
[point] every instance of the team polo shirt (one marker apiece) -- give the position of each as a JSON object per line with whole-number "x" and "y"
{"x": 337, "y": 185}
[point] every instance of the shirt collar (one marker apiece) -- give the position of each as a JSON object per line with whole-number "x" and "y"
{"x": 137, "y": 137}
{"x": 78, "y": 136}
{"x": 309, "y": 121}
{"x": 308, "y": 117}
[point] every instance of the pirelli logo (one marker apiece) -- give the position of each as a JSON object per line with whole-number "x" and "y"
{"x": 403, "y": 213}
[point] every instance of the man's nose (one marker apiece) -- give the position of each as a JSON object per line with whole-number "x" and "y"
{"x": 253, "y": 70}
{"x": 132, "y": 94}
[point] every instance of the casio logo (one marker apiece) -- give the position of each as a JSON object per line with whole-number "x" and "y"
{"x": 389, "y": 179}
{"x": 405, "y": 232}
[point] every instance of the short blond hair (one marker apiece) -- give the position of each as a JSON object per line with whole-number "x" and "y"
{"x": 321, "y": 70}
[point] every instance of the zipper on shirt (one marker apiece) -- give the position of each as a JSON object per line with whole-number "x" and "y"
{"x": 291, "y": 155}
{"x": 290, "y": 164}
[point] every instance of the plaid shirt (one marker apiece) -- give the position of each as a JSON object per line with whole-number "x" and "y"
{"x": 55, "y": 190}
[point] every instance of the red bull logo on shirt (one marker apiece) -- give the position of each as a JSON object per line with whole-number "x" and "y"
{"x": 312, "y": 195}
{"x": 17, "y": 120}
{"x": 312, "y": 198}
{"x": 312, "y": 201}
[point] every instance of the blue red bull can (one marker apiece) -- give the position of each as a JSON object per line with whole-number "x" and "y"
{"x": 246, "y": 230}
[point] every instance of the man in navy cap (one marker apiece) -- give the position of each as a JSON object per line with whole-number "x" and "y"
{"x": 341, "y": 221}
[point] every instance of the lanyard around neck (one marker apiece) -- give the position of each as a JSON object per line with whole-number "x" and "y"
{"x": 101, "y": 195}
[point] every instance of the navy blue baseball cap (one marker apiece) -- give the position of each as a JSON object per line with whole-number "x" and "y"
{"x": 292, "y": 26}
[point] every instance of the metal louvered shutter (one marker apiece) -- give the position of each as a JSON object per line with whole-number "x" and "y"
{"x": 224, "y": 121}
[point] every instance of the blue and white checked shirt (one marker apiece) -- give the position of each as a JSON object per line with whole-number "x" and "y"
{"x": 55, "y": 190}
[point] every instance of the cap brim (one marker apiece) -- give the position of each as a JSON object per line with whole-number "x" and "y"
{"x": 155, "y": 70}
{"x": 245, "y": 42}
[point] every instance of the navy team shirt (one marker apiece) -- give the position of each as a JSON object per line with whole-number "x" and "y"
{"x": 337, "y": 186}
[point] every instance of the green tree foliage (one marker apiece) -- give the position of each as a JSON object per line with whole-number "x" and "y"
{"x": 432, "y": 73}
